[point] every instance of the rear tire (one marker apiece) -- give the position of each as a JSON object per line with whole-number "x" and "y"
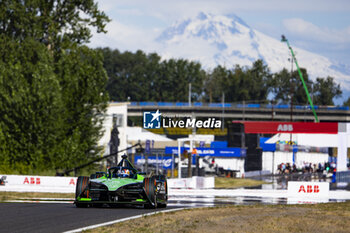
{"x": 82, "y": 183}
{"x": 150, "y": 189}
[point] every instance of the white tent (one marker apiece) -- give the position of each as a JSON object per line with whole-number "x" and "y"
{"x": 138, "y": 133}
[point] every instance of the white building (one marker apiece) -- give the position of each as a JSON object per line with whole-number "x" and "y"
{"x": 118, "y": 112}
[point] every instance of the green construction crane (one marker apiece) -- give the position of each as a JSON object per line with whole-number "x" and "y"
{"x": 284, "y": 39}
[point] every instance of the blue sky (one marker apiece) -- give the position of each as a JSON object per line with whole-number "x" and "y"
{"x": 320, "y": 26}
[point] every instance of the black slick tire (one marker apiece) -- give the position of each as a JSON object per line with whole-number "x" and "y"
{"x": 82, "y": 183}
{"x": 150, "y": 189}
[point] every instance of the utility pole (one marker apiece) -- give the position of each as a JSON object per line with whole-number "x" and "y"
{"x": 272, "y": 110}
{"x": 284, "y": 39}
{"x": 243, "y": 110}
{"x": 223, "y": 112}
{"x": 189, "y": 93}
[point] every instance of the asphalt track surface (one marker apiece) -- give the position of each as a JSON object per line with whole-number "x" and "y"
{"x": 60, "y": 217}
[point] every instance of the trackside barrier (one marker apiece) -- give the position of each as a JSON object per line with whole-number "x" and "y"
{"x": 187, "y": 187}
{"x": 195, "y": 182}
{"x": 54, "y": 184}
{"x": 27, "y": 183}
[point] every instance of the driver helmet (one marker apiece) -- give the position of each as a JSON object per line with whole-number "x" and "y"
{"x": 125, "y": 173}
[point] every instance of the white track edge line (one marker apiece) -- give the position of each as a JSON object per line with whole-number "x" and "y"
{"x": 121, "y": 220}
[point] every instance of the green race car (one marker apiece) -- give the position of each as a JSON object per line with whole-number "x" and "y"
{"x": 122, "y": 184}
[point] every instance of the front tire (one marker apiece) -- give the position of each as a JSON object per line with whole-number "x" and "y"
{"x": 81, "y": 190}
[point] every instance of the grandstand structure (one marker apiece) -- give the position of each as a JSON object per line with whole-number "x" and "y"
{"x": 243, "y": 112}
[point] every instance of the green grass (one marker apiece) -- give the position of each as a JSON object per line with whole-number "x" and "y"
{"x": 230, "y": 183}
{"x": 329, "y": 217}
{"x": 28, "y": 195}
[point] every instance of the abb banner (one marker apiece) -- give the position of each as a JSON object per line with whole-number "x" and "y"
{"x": 312, "y": 190}
{"x": 38, "y": 183}
{"x": 269, "y": 127}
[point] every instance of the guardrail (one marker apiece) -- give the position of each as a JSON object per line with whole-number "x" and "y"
{"x": 235, "y": 105}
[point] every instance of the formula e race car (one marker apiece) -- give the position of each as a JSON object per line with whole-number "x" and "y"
{"x": 122, "y": 184}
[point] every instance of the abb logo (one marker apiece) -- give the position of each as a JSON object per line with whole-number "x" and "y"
{"x": 31, "y": 180}
{"x": 299, "y": 189}
{"x": 309, "y": 189}
{"x": 38, "y": 181}
{"x": 285, "y": 127}
{"x": 72, "y": 182}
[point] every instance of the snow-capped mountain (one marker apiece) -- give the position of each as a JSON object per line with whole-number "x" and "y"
{"x": 227, "y": 40}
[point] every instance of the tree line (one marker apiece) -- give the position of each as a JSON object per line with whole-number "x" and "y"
{"x": 52, "y": 87}
{"x": 147, "y": 77}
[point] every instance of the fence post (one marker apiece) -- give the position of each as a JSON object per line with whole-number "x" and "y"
{"x": 157, "y": 167}
{"x": 172, "y": 165}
